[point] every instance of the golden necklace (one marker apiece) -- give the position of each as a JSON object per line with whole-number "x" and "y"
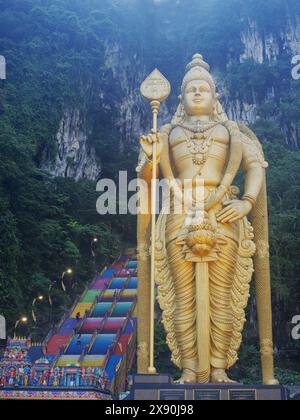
{"x": 200, "y": 143}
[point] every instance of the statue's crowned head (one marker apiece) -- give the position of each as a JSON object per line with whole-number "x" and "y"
{"x": 198, "y": 88}
{"x": 198, "y": 70}
{"x": 198, "y": 93}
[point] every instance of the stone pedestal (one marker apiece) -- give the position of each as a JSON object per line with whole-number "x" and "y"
{"x": 162, "y": 388}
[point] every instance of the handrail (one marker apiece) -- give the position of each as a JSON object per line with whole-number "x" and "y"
{"x": 116, "y": 341}
{"x": 134, "y": 304}
{"x": 127, "y": 318}
{"x": 91, "y": 343}
{"x": 101, "y": 273}
{"x": 113, "y": 305}
{"x": 107, "y": 357}
{"x": 55, "y": 360}
{"x": 103, "y": 323}
{"x": 79, "y": 326}
{"x": 48, "y": 337}
{"x": 99, "y": 297}
{"x": 69, "y": 343}
{"x": 82, "y": 356}
{"x": 118, "y": 376}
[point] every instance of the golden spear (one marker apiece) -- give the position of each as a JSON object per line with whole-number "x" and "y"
{"x": 155, "y": 89}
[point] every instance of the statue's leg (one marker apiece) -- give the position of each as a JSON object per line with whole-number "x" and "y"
{"x": 221, "y": 280}
{"x": 183, "y": 275}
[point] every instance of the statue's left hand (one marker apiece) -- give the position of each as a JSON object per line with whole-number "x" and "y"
{"x": 234, "y": 210}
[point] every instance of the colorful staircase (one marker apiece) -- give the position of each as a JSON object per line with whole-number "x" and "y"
{"x": 95, "y": 343}
{"x": 100, "y": 330}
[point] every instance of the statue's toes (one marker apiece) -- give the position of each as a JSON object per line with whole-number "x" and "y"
{"x": 272, "y": 382}
{"x": 221, "y": 378}
{"x": 187, "y": 378}
{"x": 230, "y": 381}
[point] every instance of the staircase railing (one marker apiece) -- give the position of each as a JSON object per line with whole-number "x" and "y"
{"x": 69, "y": 342}
{"x": 120, "y": 376}
{"x": 100, "y": 329}
{"x": 91, "y": 343}
{"x": 107, "y": 357}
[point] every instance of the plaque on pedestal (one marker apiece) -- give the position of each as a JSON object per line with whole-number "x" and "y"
{"x": 172, "y": 395}
{"x": 162, "y": 388}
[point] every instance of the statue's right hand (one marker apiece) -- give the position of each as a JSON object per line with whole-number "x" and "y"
{"x": 147, "y": 144}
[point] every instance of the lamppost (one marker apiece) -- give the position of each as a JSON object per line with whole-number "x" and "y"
{"x": 38, "y": 298}
{"x": 22, "y": 320}
{"x": 51, "y": 285}
{"x": 94, "y": 241}
{"x": 68, "y": 272}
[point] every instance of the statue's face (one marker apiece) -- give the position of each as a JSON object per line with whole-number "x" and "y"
{"x": 198, "y": 98}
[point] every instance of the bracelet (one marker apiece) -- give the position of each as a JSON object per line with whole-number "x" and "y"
{"x": 150, "y": 162}
{"x": 250, "y": 199}
{"x": 223, "y": 187}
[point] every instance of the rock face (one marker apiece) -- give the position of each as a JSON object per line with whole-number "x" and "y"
{"x": 130, "y": 115}
{"x": 259, "y": 47}
{"x": 127, "y": 74}
{"x": 265, "y": 47}
{"x": 268, "y": 47}
{"x": 74, "y": 158}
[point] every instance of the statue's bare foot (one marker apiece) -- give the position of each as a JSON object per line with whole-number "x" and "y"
{"x": 219, "y": 376}
{"x": 272, "y": 382}
{"x": 188, "y": 377}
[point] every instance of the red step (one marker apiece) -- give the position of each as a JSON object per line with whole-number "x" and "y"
{"x": 122, "y": 345}
{"x": 56, "y": 343}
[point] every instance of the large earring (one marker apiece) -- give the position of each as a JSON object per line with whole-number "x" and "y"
{"x": 219, "y": 114}
{"x": 215, "y": 113}
{"x": 180, "y": 115}
{"x": 216, "y": 109}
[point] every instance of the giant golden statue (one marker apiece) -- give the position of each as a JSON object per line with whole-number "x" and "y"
{"x": 206, "y": 253}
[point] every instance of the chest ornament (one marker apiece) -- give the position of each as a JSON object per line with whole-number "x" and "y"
{"x": 199, "y": 142}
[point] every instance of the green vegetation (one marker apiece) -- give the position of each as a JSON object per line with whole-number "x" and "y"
{"x": 56, "y": 52}
{"x": 46, "y": 225}
{"x": 55, "y": 55}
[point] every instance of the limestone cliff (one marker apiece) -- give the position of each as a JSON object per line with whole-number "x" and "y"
{"x": 166, "y": 40}
{"x": 74, "y": 158}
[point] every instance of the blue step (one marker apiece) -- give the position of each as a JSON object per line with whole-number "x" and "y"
{"x": 132, "y": 265}
{"x": 111, "y": 366}
{"x": 109, "y": 273}
{"x": 131, "y": 325}
{"x": 133, "y": 283}
{"x": 102, "y": 344}
{"x": 78, "y": 344}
